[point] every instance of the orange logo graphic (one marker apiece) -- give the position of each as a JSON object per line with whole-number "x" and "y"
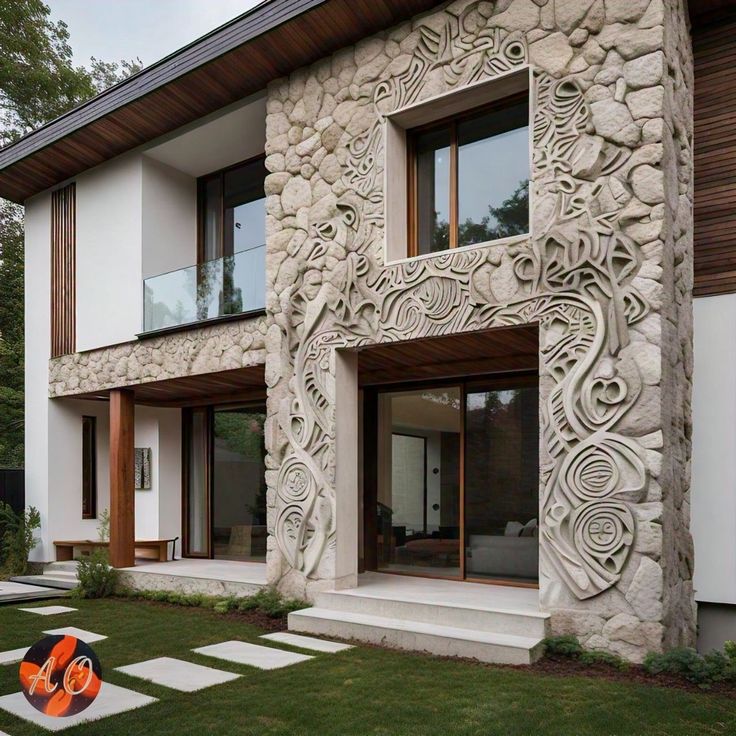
{"x": 60, "y": 675}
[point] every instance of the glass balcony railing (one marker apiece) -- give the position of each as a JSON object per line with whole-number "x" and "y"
{"x": 224, "y": 286}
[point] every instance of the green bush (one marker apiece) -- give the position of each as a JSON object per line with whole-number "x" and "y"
{"x": 272, "y": 603}
{"x": 700, "y": 669}
{"x": 598, "y": 656}
{"x": 266, "y": 600}
{"x": 97, "y": 579}
{"x": 17, "y": 538}
{"x": 563, "y": 646}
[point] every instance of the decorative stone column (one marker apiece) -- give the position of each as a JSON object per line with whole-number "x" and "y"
{"x": 606, "y": 273}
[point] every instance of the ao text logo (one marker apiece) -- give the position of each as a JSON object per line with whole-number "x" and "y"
{"x": 60, "y": 676}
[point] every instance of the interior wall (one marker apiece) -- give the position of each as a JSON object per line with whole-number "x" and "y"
{"x": 713, "y": 494}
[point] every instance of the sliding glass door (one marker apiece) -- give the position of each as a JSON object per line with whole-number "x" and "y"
{"x": 501, "y": 481}
{"x": 224, "y": 483}
{"x": 419, "y": 492}
{"x": 456, "y": 481}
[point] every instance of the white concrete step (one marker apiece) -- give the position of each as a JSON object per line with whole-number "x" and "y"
{"x": 498, "y": 617}
{"x": 47, "y": 581}
{"x": 56, "y": 567}
{"x": 448, "y": 641}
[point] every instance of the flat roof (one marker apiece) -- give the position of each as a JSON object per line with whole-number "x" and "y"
{"x": 223, "y": 66}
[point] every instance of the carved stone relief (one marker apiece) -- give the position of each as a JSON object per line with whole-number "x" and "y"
{"x": 574, "y": 278}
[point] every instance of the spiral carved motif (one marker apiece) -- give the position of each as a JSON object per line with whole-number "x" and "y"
{"x": 573, "y": 278}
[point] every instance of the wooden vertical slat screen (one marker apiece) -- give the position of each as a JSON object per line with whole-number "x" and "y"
{"x": 63, "y": 271}
{"x": 714, "y": 48}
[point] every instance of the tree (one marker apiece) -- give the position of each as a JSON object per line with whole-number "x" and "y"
{"x": 38, "y": 82}
{"x": 511, "y": 217}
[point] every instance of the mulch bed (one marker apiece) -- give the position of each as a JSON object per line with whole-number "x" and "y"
{"x": 568, "y": 666}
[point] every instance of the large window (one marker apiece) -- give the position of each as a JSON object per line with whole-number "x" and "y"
{"x": 89, "y": 467}
{"x": 469, "y": 178}
{"x": 232, "y": 216}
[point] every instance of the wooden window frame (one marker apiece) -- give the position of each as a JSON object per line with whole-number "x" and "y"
{"x": 451, "y": 123}
{"x": 89, "y": 485}
{"x": 202, "y": 182}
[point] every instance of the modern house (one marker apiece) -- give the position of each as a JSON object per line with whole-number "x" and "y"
{"x": 389, "y": 303}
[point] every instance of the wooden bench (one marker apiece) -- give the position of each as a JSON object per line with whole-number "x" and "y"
{"x": 65, "y": 549}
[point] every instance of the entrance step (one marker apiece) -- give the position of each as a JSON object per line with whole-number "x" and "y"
{"x": 475, "y": 616}
{"x": 46, "y": 581}
{"x": 448, "y": 641}
{"x": 57, "y": 575}
{"x": 491, "y": 623}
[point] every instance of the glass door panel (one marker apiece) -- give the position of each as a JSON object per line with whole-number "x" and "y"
{"x": 501, "y": 489}
{"x": 197, "y": 485}
{"x": 418, "y": 524}
{"x": 239, "y": 487}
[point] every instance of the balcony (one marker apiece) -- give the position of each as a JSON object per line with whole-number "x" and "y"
{"x": 222, "y": 287}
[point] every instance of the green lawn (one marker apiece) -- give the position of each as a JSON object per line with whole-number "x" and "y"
{"x": 361, "y": 691}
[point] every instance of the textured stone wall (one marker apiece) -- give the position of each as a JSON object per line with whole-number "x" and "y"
{"x": 222, "y": 347}
{"x": 606, "y": 274}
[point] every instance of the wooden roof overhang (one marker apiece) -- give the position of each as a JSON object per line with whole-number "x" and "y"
{"x": 498, "y": 350}
{"x": 228, "y": 64}
{"x": 222, "y": 387}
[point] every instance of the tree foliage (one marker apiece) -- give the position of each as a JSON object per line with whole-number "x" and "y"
{"x": 38, "y": 82}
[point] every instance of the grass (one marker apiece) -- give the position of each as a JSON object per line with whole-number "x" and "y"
{"x": 365, "y": 690}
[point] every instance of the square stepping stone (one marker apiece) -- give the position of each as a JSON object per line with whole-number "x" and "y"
{"x": 13, "y": 655}
{"x": 48, "y": 610}
{"x": 86, "y": 636}
{"x": 265, "y": 658}
{"x": 307, "y": 642}
{"x": 178, "y": 674}
{"x": 111, "y": 701}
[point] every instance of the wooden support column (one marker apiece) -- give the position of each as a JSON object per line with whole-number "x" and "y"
{"x": 122, "y": 490}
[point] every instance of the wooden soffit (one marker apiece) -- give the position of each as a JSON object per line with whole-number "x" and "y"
{"x": 225, "y": 66}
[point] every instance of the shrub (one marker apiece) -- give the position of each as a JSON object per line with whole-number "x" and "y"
{"x": 103, "y": 528}
{"x": 97, "y": 579}
{"x": 272, "y": 603}
{"x": 598, "y": 656}
{"x": 700, "y": 669}
{"x": 16, "y": 538}
{"x": 563, "y": 646}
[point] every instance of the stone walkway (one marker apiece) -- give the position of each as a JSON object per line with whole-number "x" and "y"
{"x": 169, "y": 672}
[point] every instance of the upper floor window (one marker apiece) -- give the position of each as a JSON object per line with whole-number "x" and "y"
{"x": 469, "y": 177}
{"x": 232, "y": 210}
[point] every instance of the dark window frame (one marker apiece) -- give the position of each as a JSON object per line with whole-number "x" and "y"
{"x": 451, "y": 123}
{"x": 202, "y": 182}
{"x": 89, "y": 467}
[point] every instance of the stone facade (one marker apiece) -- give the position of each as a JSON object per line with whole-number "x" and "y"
{"x": 606, "y": 274}
{"x": 222, "y": 347}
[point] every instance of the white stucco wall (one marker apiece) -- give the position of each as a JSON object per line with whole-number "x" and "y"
{"x": 713, "y": 492}
{"x": 109, "y": 290}
{"x": 169, "y": 214}
{"x": 37, "y": 348}
{"x": 158, "y": 510}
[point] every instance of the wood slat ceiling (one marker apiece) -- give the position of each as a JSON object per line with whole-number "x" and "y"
{"x": 242, "y": 384}
{"x": 714, "y": 48}
{"x": 227, "y": 65}
{"x": 500, "y": 350}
